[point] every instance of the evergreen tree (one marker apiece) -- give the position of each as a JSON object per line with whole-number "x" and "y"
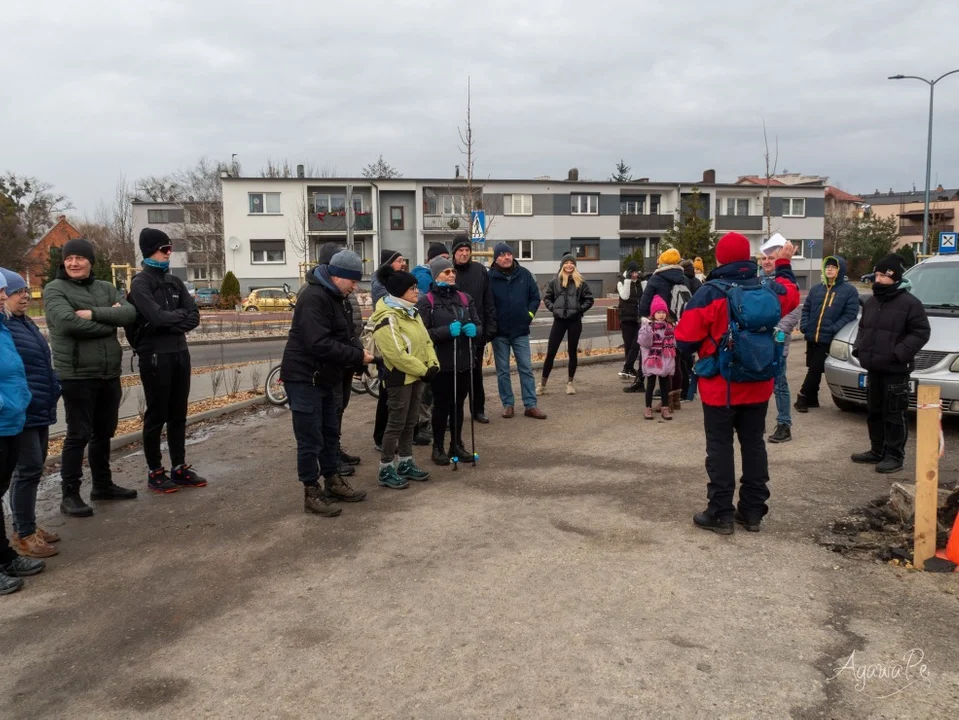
{"x": 229, "y": 291}
{"x": 692, "y": 234}
{"x": 908, "y": 255}
{"x": 622, "y": 173}
{"x": 868, "y": 240}
{"x": 635, "y": 256}
{"x": 53, "y": 264}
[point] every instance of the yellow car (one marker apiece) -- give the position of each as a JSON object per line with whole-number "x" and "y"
{"x": 269, "y": 299}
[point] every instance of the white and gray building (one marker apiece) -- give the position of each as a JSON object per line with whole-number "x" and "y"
{"x": 195, "y": 230}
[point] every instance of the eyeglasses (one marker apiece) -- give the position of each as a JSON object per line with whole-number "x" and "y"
{"x": 166, "y": 248}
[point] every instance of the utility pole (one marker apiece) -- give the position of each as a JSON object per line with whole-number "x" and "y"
{"x": 350, "y": 217}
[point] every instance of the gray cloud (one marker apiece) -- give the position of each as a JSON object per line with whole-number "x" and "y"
{"x": 104, "y": 87}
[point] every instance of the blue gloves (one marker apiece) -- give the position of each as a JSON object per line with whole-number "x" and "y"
{"x": 469, "y": 330}
{"x": 455, "y": 327}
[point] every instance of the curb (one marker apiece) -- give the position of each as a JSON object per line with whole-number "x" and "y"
{"x": 134, "y": 437}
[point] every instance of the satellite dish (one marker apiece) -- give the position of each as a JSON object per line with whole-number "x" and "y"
{"x": 234, "y": 243}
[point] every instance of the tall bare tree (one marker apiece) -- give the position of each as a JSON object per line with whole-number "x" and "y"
{"x": 770, "y": 173}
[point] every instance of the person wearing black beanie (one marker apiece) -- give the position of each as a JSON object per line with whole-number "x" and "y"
{"x": 152, "y": 240}
{"x": 78, "y": 247}
{"x": 893, "y": 328}
{"x": 392, "y": 259}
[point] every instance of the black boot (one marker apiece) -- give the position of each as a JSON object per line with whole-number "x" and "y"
{"x": 72, "y": 504}
{"x": 781, "y": 435}
{"x": 111, "y": 491}
{"x": 889, "y": 464}
{"x": 870, "y": 457}
{"x": 459, "y": 452}
{"x": 346, "y": 470}
{"x": 748, "y": 523}
{"x": 637, "y": 387}
{"x": 439, "y": 457}
{"x": 706, "y": 521}
{"x": 801, "y": 405}
{"x": 422, "y": 437}
{"x": 347, "y": 459}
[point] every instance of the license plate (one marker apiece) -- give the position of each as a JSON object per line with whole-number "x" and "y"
{"x": 864, "y": 383}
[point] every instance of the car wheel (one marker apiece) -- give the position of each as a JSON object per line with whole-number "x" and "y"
{"x": 846, "y": 405}
{"x": 252, "y": 308}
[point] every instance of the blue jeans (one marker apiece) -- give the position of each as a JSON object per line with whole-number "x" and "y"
{"x": 317, "y": 430}
{"x": 524, "y": 365}
{"x": 26, "y": 479}
{"x": 781, "y": 391}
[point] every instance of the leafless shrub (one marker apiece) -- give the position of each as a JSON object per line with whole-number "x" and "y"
{"x": 588, "y": 348}
{"x": 216, "y": 379}
{"x": 141, "y": 405}
{"x": 234, "y": 381}
{"x": 255, "y": 378}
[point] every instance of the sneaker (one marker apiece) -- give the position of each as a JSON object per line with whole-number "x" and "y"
{"x": 32, "y": 546}
{"x": 706, "y": 521}
{"x": 570, "y": 390}
{"x": 47, "y": 536}
{"x": 112, "y": 491}
{"x": 627, "y": 374}
{"x": 889, "y": 465}
{"x": 22, "y": 567}
{"x": 541, "y": 388}
{"x": 408, "y": 470}
{"x": 315, "y": 501}
{"x": 870, "y": 457}
{"x": 379, "y": 446}
{"x": 648, "y": 414}
{"x": 73, "y": 505}
{"x": 9, "y": 584}
{"x": 801, "y": 405}
{"x": 347, "y": 459}
{"x": 159, "y": 482}
{"x": 781, "y": 435}
{"x": 439, "y": 457}
{"x": 637, "y": 387}
{"x": 750, "y": 525}
{"x": 337, "y": 489}
{"x": 388, "y": 477}
{"x": 183, "y": 476}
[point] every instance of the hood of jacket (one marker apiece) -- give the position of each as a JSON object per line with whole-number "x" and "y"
{"x": 738, "y": 271}
{"x": 321, "y": 276}
{"x": 673, "y": 273}
{"x": 841, "y": 277}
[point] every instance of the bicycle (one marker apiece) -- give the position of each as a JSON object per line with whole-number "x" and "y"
{"x": 363, "y": 383}
{"x": 366, "y": 382}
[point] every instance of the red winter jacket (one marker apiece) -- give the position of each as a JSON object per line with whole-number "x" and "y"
{"x": 705, "y": 316}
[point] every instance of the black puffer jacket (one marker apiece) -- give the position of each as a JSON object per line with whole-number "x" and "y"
{"x": 473, "y": 279}
{"x": 323, "y": 344}
{"x": 661, "y": 283}
{"x": 165, "y": 312}
{"x": 570, "y": 302}
{"x": 438, "y": 315}
{"x": 892, "y": 329}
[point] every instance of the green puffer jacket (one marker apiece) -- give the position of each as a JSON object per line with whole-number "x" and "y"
{"x": 85, "y": 349}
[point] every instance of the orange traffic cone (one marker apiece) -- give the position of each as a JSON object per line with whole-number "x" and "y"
{"x": 952, "y": 547}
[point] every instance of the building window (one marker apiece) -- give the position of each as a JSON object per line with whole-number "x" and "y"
{"x": 268, "y": 252}
{"x": 197, "y": 216}
{"x": 199, "y": 273}
{"x": 632, "y": 205}
{"x": 734, "y": 206}
{"x": 358, "y": 203}
{"x": 396, "y": 217}
{"x": 586, "y": 249}
{"x": 584, "y": 204}
{"x": 794, "y": 207}
{"x": 264, "y": 203}
{"x": 522, "y": 249}
{"x": 654, "y": 202}
{"x": 453, "y": 205}
{"x": 162, "y": 217}
{"x": 518, "y": 204}
{"x": 335, "y": 203}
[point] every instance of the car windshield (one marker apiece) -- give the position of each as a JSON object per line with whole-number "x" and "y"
{"x": 935, "y": 284}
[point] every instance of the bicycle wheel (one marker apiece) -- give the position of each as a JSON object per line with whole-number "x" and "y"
{"x": 275, "y": 392}
{"x": 372, "y": 383}
{"x": 359, "y": 387}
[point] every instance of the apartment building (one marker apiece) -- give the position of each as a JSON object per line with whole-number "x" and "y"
{"x": 907, "y": 208}
{"x": 274, "y": 227}
{"x": 196, "y": 232}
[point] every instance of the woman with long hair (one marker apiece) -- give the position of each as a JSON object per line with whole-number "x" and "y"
{"x": 568, "y": 297}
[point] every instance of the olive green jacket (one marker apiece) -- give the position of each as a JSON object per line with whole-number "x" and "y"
{"x": 85, "y": 349}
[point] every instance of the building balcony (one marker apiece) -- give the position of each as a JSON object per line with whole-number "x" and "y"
{"x": 445, "y": 223}
{"x": 337, "y": 223}
{"x": 645, "y": 222}
{"x": 739, "y": 222}
{"x": 913, "y": 230}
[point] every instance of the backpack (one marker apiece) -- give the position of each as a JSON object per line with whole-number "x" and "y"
{"x": 366, "y": 338}
{"x": 464, "y": 300}
{"x": 678, "y": 297}
{"x": 747, "y": 351}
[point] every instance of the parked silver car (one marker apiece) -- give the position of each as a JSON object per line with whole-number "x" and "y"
{"x": 935, "y": 281}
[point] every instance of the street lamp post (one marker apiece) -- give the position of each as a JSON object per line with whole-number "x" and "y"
{"x": 925, "y": 211}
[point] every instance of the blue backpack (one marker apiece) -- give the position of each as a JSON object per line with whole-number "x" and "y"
{"x": 748, "y": 350}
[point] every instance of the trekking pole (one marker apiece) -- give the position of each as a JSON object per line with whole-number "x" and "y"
{"x": 473, "y": 453}
{"x": 452, "y": 418}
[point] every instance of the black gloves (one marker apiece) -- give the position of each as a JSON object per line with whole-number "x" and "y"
{"x": 431, "y": 372}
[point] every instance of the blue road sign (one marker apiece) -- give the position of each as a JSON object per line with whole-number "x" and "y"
{"x": 948, "y": 242}
{"x": 478, "y": 227}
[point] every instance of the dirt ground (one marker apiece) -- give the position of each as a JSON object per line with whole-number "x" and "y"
{"x": 562, "y": 577}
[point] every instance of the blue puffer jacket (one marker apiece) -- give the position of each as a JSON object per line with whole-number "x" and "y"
{"x": 14, "y": 393}
{"x": 41, "y": 378}
{"x": 516, "y": 299}
{"x": 424, "y": 278}
{"x": 829, "y": 308}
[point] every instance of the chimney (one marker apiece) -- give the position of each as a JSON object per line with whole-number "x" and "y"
{"x": 573, "y": 175}
{"x": 457, "y": 171}
{"x": 709, "y": 177}
{"x": 940, "y": 188}
{"x": 300, "y": 171}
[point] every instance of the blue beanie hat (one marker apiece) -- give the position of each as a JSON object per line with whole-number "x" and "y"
{"x": 499, "y": 249}
{"x": 11, "y": 281}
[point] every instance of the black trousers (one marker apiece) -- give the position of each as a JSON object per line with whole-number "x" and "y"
{"x": 887, "y": 400}
{"x": 560, "y": 328}
{"x": 9, "y": 451}
{"x": 343, "y": 395}
{"x": 748, "y": 422}
{"x": 816, "y": 354}
{"x": 166, "y": 385}
{"x": 665, "y": 383}
{"x": 630, "y": 329}
{"x": 382, "y": 415}
{"x": 479, "y": 393}
{"x": 445, "y": 404}
{"x": 92, "y": 408}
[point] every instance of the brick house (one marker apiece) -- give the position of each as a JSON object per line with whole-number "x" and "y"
{"x": 38, "y": 257}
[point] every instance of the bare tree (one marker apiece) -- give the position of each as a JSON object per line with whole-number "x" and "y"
{"x": 770, "y": 172}
{"x": 474, "y": 193}
{"x": 34, "y": 203}
{"x": 275, "y": 169}
{"x": 299, "y": 240}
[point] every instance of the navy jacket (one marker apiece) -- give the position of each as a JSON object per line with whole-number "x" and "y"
{"x": 515, "y": 296}
{"x": 829, "y": 308}
{"x": 41, "y": 378}
{"x": 661, "y": 283}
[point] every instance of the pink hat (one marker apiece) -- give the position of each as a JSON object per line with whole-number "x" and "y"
{"x": 658, "y": 305}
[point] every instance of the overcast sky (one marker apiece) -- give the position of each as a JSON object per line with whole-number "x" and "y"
{"x": 97, "y": 88}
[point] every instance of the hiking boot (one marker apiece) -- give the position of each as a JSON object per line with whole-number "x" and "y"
{"x": 47, "y": 536}
{"x": 337, "y": 489}
{"x": 315, "y": 501}
{"x": 750, "y": 525}
{"x": 346, "y": 470}
{"x": 183, "y": 476}
{"x": 389, "y": 478}
{"x": 159, "y": 482}
{"x": 889, "y": 464}
{"x": 782, "y": 434}
{"x": 706, "y": 521}
{"x": 408, "y": 470}
{"x": 637, "y": 387}
{"x": 508, "y": 411}
{"x": 112, "y": 491}
{"x": 459, "y": 452}
{"x": 541, "y": 388}
{"x": 421, "y": 437}
{"x": 32, "y": 546}
{"x": 72, "y": 504}
{"x": 22, "y": 567}
{"x": 347, "y": 459}
{"x": 648, "y": 414}
{"x": 870, "y": 457}
{"x": 9, "y": 584}
{"x": 481, "y": 417}
{"x": 666, "y": 413}
{"x": 801, "y": 405}
{"x": 439, "y": 457}
{"x": 675, "y": 403}
{"x": 535, "y": 413}
{"x": 570, "y": 390}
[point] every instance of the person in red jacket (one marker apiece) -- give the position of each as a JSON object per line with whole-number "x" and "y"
{"x": 729, "y": 407}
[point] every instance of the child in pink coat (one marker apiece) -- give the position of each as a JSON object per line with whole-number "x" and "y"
{"x": 658, "y": 344}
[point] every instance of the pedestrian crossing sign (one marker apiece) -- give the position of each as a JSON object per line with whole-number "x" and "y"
{"x": 478, "y": 227}
{"x": 947, "y": 243}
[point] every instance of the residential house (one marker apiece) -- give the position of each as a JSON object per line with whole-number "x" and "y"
{"x": 196, "y": 231}
{"x": 38, "y": 257}
{"x": 907, "y": 207}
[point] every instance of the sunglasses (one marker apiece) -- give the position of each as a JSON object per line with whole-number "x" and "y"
{"x": 166, "y": 248}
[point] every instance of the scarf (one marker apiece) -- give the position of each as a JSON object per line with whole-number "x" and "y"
{"x": 664, "y": 344}
{"x": 158, "y": 264}
{"x": 883, "y": 292}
